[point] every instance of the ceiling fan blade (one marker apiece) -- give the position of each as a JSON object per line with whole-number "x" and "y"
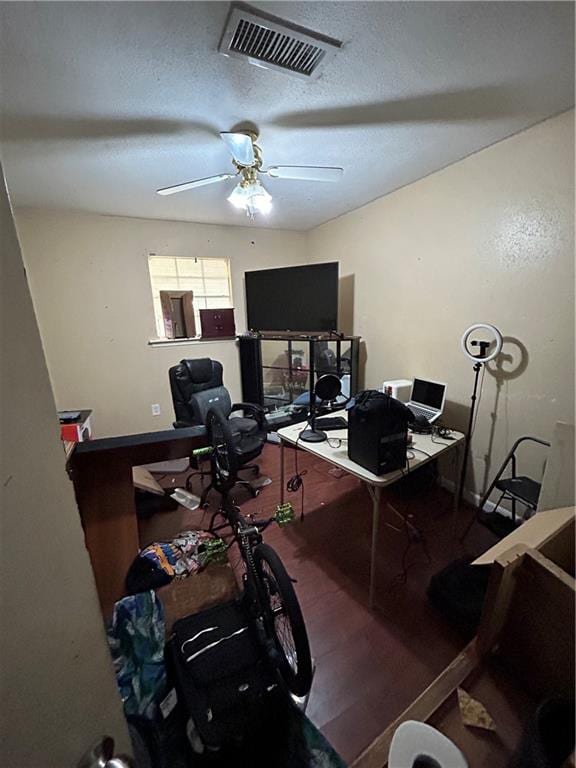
{"x": 461, "y": 105}
{"x": 40, "y": 127}
{"x": 240, "y": 146}
{"x": 305, "y": 172}
{"x": 193, "y": 184}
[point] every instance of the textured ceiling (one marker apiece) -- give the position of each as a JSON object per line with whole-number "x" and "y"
{"x": 104, "y": 102}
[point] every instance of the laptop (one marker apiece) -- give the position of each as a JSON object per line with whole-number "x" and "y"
{"x": 427, "y": 399}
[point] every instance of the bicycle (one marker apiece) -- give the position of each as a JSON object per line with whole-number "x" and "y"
{"x": 268, "y": 589}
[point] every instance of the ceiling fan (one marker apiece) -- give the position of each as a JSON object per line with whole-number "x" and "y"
{"x": 249, "y": 194}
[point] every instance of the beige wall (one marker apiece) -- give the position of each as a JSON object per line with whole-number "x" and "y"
{"x": 58, "y": 689}
{"x": 490, "y": 239}
{"x": 89, "y": 279}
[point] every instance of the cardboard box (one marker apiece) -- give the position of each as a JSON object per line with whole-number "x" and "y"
{"x": 534, "y": 533}
{"x": 523, "y": 653}
{"x": 184, "y": 597}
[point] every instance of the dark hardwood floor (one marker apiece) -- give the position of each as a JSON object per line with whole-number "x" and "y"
{"x": 369, "y": 664}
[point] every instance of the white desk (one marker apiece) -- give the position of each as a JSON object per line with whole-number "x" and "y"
{"x": 423, "y": 450}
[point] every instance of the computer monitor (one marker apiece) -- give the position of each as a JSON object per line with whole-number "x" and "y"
{"x": 302, "y": 299}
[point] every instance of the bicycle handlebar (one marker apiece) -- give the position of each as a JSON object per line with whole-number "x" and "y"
{"x": 202, "y": 451}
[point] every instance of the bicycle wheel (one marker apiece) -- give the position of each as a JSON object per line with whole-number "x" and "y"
{"x": 224, "y": 459}
{"x": 285, "y": 621}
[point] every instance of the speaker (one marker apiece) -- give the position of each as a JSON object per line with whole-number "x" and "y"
{"x": 251, "y": 370}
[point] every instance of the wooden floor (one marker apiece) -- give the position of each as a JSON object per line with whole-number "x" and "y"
{"x": 369, "y": 665}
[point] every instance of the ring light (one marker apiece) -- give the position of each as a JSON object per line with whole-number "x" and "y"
{"x": 483, "y": 356}
{"x": 479, "y": 359}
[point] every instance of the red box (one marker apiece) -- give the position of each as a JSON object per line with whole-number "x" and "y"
{"x": 79, "y": 430}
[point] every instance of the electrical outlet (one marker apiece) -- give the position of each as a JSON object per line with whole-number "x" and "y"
{"x": 155, "y": 409}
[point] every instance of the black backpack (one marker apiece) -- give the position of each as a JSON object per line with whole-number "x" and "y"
{"x": 221, "y": 673}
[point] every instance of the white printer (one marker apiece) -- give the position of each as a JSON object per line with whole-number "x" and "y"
{"x": 399, "y": 389}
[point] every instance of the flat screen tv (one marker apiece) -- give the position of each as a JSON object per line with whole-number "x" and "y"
{"x": 303, "y": 299}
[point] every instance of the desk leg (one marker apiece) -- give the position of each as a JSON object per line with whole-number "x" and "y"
{"x": 375, "y": 493}
{"x": 282, "y": 483}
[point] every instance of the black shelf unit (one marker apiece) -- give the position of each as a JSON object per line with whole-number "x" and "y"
{"x": 276, "y": 368}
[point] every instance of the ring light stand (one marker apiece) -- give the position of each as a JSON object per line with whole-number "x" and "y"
{"x": 482, "y": 357}
{"x": 328, "y": 387}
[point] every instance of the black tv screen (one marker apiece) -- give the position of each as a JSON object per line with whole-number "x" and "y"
{"x": 301, "y": 299}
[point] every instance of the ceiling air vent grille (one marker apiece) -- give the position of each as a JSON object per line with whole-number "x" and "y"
{"x": 272, "y": 43}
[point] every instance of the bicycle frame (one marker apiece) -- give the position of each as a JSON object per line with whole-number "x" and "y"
{"x": 248, "y": 537}
{"x": 268, "y": 593}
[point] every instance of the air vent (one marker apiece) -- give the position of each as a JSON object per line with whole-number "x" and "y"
{"x": 269, "y": 42}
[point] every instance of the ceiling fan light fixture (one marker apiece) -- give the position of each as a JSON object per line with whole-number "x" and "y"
{"x": 252, "y": 197}
{"x": 238, "y": 197}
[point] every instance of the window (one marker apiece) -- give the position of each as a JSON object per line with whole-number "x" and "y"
{"x": 208, "y": 278}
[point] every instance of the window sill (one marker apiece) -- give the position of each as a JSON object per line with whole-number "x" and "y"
{"x": 191, "y": 340}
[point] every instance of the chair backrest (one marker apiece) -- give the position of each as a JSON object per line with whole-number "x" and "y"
{"x": 196, "y": 386}
{"x": 325, "y": 358}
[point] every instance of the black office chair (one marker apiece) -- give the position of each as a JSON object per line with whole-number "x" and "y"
{"x": 196, "y": 387}
{"x": 325, "y": 358}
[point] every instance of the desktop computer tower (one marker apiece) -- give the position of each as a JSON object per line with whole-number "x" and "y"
{"x": 378, "y": 432}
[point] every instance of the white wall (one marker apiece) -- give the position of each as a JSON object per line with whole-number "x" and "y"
{"x": 58, "y": 689}
{"x": 89, "y": 278}
{"x": 491, "y": 239}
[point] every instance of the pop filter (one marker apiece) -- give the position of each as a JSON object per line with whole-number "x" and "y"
{"x": 327, "y": 388}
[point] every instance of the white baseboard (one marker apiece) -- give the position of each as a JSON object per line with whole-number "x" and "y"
{"x": 472, "y": 498}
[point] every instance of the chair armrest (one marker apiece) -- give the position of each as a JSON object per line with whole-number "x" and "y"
{"x": 253, "y": 411}
{"x": 182, "y": 424}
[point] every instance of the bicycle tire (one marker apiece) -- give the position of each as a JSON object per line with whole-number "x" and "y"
{"x": 295, "y": 667}
{"x": 224, "y": 459}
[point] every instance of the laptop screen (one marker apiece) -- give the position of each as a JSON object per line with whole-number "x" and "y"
{"x": 428, "y": 393}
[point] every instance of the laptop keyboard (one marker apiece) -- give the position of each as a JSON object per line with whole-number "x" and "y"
{"x": 421, "y": 412}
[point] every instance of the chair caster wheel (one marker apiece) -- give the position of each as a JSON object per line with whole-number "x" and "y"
{"x": 255, "y": 492}
{"x": 205, "y": 505}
